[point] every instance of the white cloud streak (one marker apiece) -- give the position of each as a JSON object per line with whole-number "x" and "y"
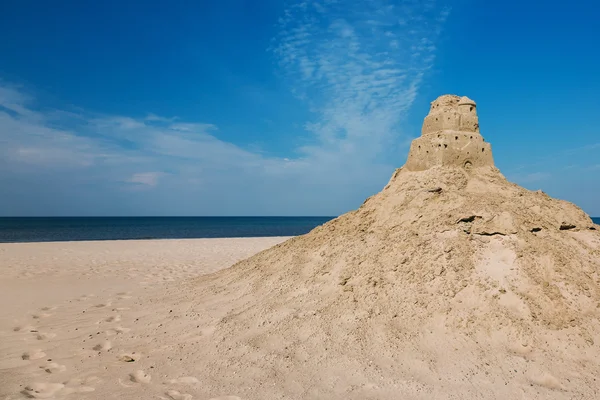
{"x": 146, "y": 178}
{"x": 359, "y": 66}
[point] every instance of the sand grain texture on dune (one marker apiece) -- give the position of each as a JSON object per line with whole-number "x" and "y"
{"x": 451, "y": 283}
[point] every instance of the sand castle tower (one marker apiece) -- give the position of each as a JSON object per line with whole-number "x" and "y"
{"x": 450, "y": 137}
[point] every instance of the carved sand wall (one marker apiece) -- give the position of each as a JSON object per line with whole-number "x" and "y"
{"x": 450, "y": 137}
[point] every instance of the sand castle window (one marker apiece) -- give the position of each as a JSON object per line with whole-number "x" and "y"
{"x": 468, "y": 165}
{"x": 471, "y": 108}
{"x": 455, "y": 137}
{"x": 445, "y": 146}
{"x": 482, "y": 150}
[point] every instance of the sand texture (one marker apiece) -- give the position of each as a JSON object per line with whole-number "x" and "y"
{"x": 77, "y": 321}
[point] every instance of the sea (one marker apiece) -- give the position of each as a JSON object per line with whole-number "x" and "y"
{"x": 60, "y": 229}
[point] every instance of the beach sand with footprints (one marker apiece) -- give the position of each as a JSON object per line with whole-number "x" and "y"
{"x": 77, "y": 319}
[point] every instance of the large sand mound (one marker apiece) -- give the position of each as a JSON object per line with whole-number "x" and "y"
{"x": 450, "y": 282}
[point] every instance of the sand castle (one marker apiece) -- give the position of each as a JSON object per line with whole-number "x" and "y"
{"x": 450, "y": 137}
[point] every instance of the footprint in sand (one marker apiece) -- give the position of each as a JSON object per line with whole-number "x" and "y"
{"x": 53, "y": 368}
{"x": 140, "y": 376}
{"x": 117, "y": 330}
{"x": 40, "y": 315}
{"x": 175, "y": 395}
{"x": 33, "y": 355}
{"x": 42, "y": 390}
{"x": 103, "y": 346}
{"x": 85, "y": 297}
{"x": 45, "y": 336}
{"x": 25, "y": 328}
{"x": 114, "y": 318}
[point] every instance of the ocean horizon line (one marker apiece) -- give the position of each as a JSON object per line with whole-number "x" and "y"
{"x": 595, "y": 218}
{"x": 172, "y": 216}
{"x": 78, "y": 228}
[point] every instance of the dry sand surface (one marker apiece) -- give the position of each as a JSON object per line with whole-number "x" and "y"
{"x": 77, "y": 319}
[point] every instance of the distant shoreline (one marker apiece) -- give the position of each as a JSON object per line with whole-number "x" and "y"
{"x": 93, "y": 229}
{"x": 166, "y": 216}
{"x": 143, "y": 240}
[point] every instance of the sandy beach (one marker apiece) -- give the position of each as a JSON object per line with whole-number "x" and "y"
{"x": 78, "y": 318}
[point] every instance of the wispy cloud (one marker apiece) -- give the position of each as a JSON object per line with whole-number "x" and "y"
{"x": 357, "y": 66}
{"x": 146, "y": 178}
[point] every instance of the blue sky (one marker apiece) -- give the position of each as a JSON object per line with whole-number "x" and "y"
{"x": 282, "y": 108}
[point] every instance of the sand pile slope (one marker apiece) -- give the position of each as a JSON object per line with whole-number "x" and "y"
{"x": 449, "y": 282}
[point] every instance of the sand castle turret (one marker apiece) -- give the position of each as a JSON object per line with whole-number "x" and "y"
{"x": 450, "y": 137}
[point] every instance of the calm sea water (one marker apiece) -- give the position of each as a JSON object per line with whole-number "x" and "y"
{"x": 113, "y": 228}
{"x": 123, "y": 228}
